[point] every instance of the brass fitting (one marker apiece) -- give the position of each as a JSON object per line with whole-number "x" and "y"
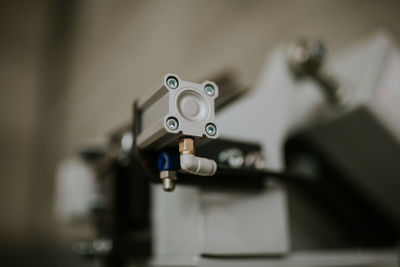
{"x": 186, "y": 146}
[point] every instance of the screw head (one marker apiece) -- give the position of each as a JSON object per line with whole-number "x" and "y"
{"x": 211, "y": 129}
{"x": 172, "y": 82}
{"x": 209, "y": 89}
{"x": 172, "y": 123}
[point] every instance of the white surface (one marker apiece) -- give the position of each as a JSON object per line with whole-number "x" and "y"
{"x": 247, "y": 222}
{"x": 76, "y": 188}
{"x": 244, "y": 222}
{"x": 176, "y": 225}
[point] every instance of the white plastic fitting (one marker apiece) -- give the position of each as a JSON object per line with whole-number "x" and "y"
{"x": 197, "y": 165}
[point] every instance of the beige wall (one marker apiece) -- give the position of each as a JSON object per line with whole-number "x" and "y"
{"x": 22, "y": 32}
{"x": 116, "y": 50}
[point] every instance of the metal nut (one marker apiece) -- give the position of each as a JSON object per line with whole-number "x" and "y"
{"x": 168, "y": 174}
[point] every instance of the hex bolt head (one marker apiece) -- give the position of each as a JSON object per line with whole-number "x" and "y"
{"x": 209, "y": 89}
{"x": 172, "y": 82}
{"x": 172, "y": 123}
{"x": 211, "y": 129}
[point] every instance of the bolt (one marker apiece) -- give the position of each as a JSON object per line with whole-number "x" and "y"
{"x": 168, "y": 184}
{"x": 172, "y": 123}
{"x": 209, "y": 89}
{"x": 168, "y": 180}
{"x": 172, "y": 82}
{"x": 211, "y": 129}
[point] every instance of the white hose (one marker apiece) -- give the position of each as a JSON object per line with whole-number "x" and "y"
{"x": 197, "y": 165}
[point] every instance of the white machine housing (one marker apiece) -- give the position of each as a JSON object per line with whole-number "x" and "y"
{"x": 193, "y": 222}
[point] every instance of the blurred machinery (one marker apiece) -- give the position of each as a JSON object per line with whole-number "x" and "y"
{"x": 308, "y": 160}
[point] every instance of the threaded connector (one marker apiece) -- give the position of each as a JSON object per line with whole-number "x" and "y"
{"x": 186, "y": 146}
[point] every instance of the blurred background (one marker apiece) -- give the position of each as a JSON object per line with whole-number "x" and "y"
{"x": 70, "y": 71}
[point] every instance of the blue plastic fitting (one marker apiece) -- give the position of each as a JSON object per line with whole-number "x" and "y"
{"x": 168, "y": 161}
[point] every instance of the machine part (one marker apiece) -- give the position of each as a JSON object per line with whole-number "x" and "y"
{"x": 186, "y": 146}
{"x": 76, "y": 189}
{"x": 197, "y": 165}
{"x": 172, "y": 123}
{"x": 358, "y": 187}
{"x": 209, "y": 89}
{"x": 192, "y": 164}
{"x": 100, "y": 247}
{"x": 127, "y": 141}
{"x": 233, "y": 157}
{"x": 357, "y": 156}
{"x": 306, "y": 58}
{"x": 307, "y": 55}
{"x": 174, "y": 108}
{"x": 211, "y": 129}
{"x": 167, "y": 165}
{"x": 172, "y": 82}
{"x": 168, "y": 180}
{"x": 168, "y": 161}
{"x": 255, "y": 160}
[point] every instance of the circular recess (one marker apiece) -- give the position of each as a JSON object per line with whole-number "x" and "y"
{"x": 209, "y": 89}
{"x": 172, "y": 123}
{"x": 211, "y": 129}
{"x": 172, "y": 82}
{"x": 192, "y": 106}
